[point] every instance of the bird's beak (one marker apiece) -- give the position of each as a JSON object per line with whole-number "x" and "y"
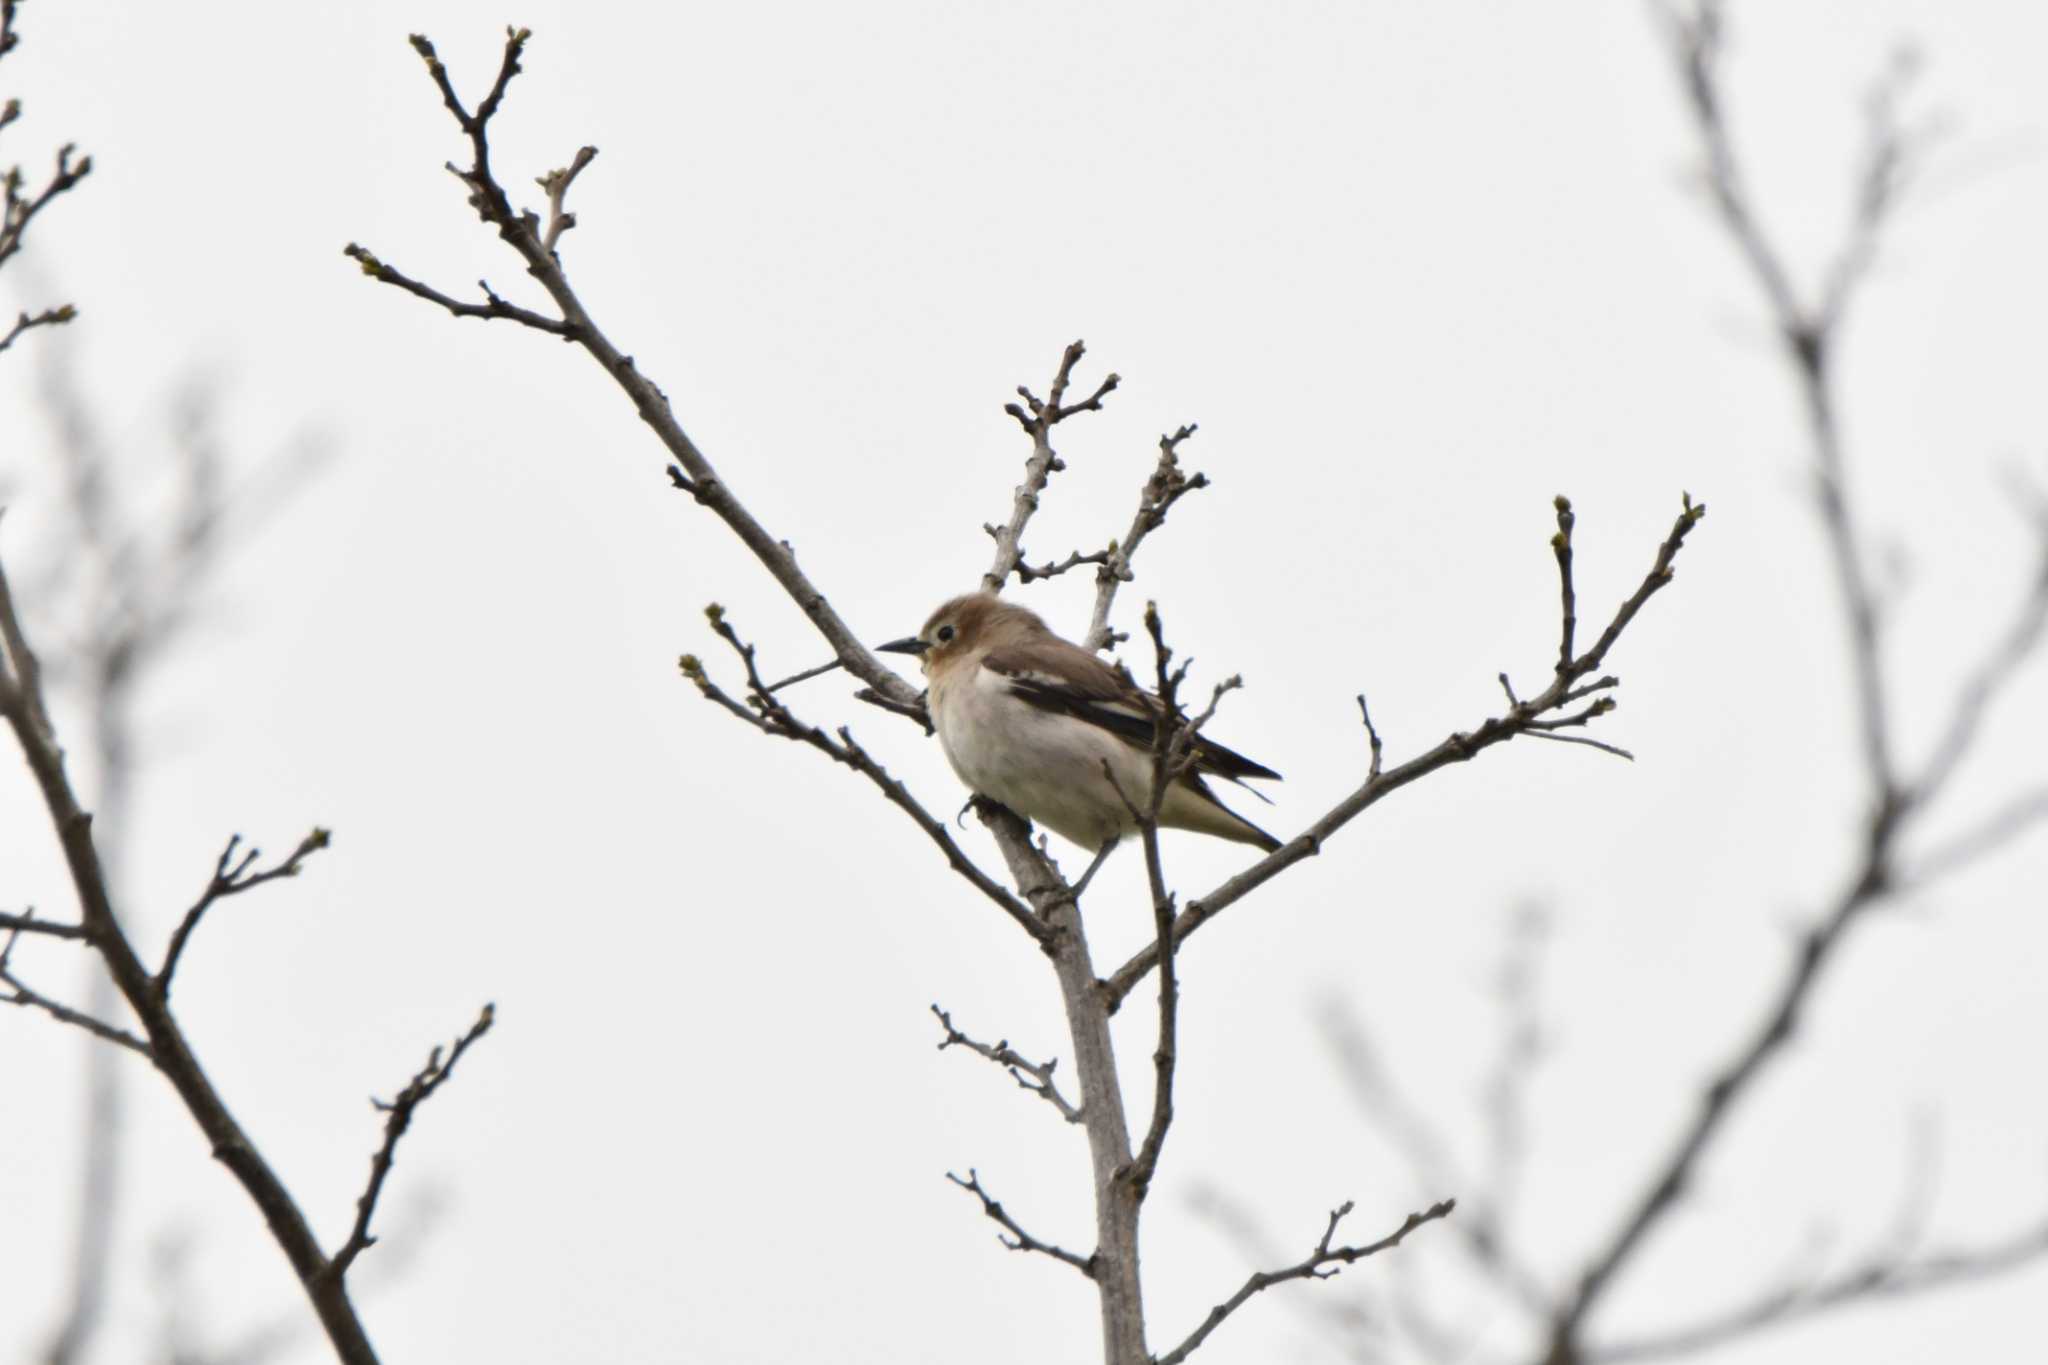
{"x": 909, "y": 644}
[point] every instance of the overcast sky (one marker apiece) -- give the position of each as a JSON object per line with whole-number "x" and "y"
{"x": 1414, "y": 268}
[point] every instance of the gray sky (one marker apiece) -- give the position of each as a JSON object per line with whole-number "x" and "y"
{"x": 1414, "y": 268}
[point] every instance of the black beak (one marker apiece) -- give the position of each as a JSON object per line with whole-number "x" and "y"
{"x": 909, "y": 644}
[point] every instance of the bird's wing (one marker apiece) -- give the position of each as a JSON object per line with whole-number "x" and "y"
{"x": 1056, "y": 676}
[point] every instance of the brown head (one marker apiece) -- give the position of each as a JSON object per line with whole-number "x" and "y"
{"x": 966, "y": 626}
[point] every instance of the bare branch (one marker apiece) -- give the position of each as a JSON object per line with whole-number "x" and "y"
{"x": 20, "y": 208}
{"x": 27, "y": 923}
{"x": 1879, "y": 1278}
{"x": 1982, "y": 839}
{"x": 1383, "y": 1103}
{"x": 231, "y": 877}
{"x": 1166, "y": 486}
{"x": 2014, "y": 646}
{"x": 690, "y": 470}
{"x": 49, "y": 317}
{"x": 1808, "y": 336}
{"x": 1525, "y": 718}
{"x": 556, "y": 186}
{"x": 769, "y": 715}
{"x": 492, "y": 307}
{"x": 1074, "y": 560}
{"x": 1039, "y": 468}
{"x": 1372, "y": 738}
{"x": 808, "y": 673}
{"x": 397, "y": 1118}
{"x": 1321, "y": 1264}
{"x": 1035, "y": 1077}
{"x": 1019, "y": 1240}
{"x": 22, "y": 706}
{"x": 1561, "y": 544}
{"x": 20, "y": 993}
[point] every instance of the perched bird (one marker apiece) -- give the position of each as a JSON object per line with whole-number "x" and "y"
{"x": 1030, "y": 720}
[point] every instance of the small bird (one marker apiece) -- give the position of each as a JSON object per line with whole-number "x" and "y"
{"x": 1030, "y": 720}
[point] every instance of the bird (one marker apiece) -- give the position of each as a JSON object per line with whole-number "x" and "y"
{"x": 1040, "y": 724}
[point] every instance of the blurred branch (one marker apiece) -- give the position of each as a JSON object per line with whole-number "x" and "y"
{"x": 1879, "y": 1278}
{"x": 1810, "y": 336}
{"x": 1428, "y": 1153}
{"x": 1980, "y": 840}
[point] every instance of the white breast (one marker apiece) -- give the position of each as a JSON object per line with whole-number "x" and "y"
{"x": 1041, "y": 764}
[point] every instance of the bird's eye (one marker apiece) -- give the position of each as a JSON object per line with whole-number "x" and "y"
{"x": 945, "y": 633}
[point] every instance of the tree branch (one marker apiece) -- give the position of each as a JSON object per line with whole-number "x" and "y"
{"x": 22, "y": 706}
{"x": 1809, "y": 336}
{"x": 1035, "y": 1077}
{"x": 1019, "y": 1240}
{"x": 397, "y": 1118}
{"x": 692, "y": 472}
{"x": 231, "y": 877}
{"x": 19, "y": 992}
{"x": 1166, "y": 486}
{"x": 1311, "y": 1267}
{"x": 766, "y": 713}
{"x": 1878, "y": 1278}
{"x": 49, "y": 317}
{"x": 1523, "y": 718}
{"x": 1039, "y": 468}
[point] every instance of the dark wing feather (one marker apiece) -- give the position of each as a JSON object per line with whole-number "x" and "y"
{"x": 1056, "y": 676}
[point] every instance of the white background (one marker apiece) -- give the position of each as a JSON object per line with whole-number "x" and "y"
{"x": 1414, "y": 268}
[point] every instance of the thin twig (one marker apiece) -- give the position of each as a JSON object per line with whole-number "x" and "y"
{"x": 1526, "y": 718}
{"x": 1321, "y": 1264}
{"x": 20, "y": 993}
{"x": 492, "y": 307}
{"x": 231, "y": 877}
{"x": 1982, "y": 839}
{"x": 769, "y": 715}
{"x": 49, "y": 317}
{"x": 1039, "y": 468}
{"x": 1561, "y": 544}
{"x": 1172, "y": 752}
{"x": 807, "y": 674}
{"x": 1035, "y": 1077}
{"x": 1019, "y": 1240}
{"x": 1809, "y": 336}
{"x": 22, "y": 705}
{"x": 27, "y": 923}
{"x": 398, "y": 1115}
{"x": 691, "y": 470}
{"x": 1876, "y": 1279}
{"x": 1165, "y": 486}
{"x": 556, "y": 185}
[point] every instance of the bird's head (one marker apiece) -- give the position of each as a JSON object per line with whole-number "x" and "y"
{"x": 965, "y": 627}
